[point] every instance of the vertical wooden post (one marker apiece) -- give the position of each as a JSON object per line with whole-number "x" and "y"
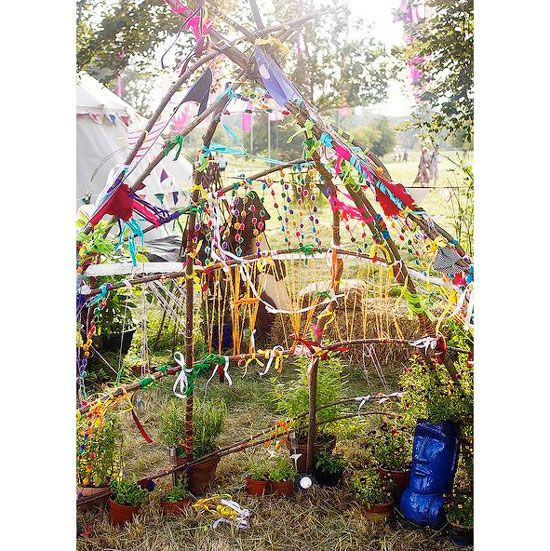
{"x": 199, "y": 180}
{"x": 322, "y": 319}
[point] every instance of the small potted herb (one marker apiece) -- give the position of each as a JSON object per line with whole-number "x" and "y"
{"x": 391, "y": 450}
{"x": 374, "y": 492}
{"x": 329, "y": 469}
{"x": 460, "y": 514}
{"x": 175, "y": 500}
{"x": 208, "y": 419}
{"x": 282, "y": 476}
{"x": 126, "y": 499}
{"x": 292, "y": 399}
{"x": 98, "y": 455}
{"x": 257, "y": 481}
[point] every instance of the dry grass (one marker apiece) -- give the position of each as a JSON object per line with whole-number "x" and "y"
{"x": 321, "y": 519}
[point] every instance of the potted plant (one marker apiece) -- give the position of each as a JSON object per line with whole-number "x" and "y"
{"x": 115, "y": 325}
{"x": 98, "y": 455}
{"x": 391, "y": 451}
{"x": 126, "y": 499}
{"x": 257, "y": 480}
{"x": 292, "y": 399}
{"x": 374, "y": 492}
{"x": 460, "y": 514}
{"x": 208, "y": 419}
{"x": 329, "y": 469}
{"x": 177, "y": 499}
{"x": 282, "y": 475}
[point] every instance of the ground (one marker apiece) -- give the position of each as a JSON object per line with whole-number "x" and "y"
{"x": 323, "y": 519}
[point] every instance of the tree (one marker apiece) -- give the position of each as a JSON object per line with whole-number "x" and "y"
{"x": 379, "y": 136}
{"x": 331, "y": 62}
{"x": 445, "y": 42}
{"x": 334, "y": 61}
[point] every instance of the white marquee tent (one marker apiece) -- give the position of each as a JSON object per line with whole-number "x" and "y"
{"x": 103, "y": 124}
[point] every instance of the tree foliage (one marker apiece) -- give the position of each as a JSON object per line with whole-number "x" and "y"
{"x": 379, "y": 136}
{"x": 333, "y": 60}
{"x": 446, "y": 43}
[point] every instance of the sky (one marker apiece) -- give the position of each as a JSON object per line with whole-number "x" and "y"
{"x": 380, "y": 14}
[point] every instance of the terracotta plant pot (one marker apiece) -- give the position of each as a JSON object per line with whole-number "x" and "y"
{"x": 400, "y": 481}
{"x": 175, "y": 507}
{"x": 461, "y": 535}
{"x": 284, "y": 488}
{"x": 381, "y": 512}
{"x": 327, "y": 444}
{"x": 258, "y": 487}
{"x": 200, "y": 476}
{"x": 121, "y": 514}
{"x": 89, "y": 491}
{"x": 327, "y": 479}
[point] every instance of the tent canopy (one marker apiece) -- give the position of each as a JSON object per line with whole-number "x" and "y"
{"x": 103, "y": 124}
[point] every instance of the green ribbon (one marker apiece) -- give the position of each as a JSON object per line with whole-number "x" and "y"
{"x": 176, "y": 142}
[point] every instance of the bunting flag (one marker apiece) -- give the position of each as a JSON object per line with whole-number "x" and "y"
{"x": 274, "y": 80}
{"x": 150, "y": 138}
{"x": 246, "y": 120}
{"x": 200, "y": 91}
{"x": 121, "y": 202}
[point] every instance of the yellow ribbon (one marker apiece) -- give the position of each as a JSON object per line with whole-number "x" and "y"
{"x": 273, "y": 40}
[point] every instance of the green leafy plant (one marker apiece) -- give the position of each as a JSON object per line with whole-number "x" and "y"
{"x": 330, "y": 464}
{"x": 98, "y": 452}
{"x": 208, "y": 419}
{"x": 292, "y": 398}
{"x": 127, "y": 492}
{"x": 282, "y": 469}
{"x": 460, "y": 509}
{"x": 258, "y": 469}
{"x": 179, "y": 492}
{"x": 118, "y": 314}
{"x": 371, "y": 488}
{"x": 429, "y": 391}
{"x": 390, "y": 447}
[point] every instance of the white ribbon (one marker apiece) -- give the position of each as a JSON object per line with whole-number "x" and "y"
{"x": 271, "y": 358}
{"x": 181, "y": 379}
{"x": 425, "y": 343}
{"x": 363, "y": 400}
{"x": 225, "y": 374}
{"x": 239, "y": 521}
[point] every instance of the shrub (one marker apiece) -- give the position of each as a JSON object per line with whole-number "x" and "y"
{"x": 258, "y": 469}
{"x": 330, "y": 464}
{"x": 292, "y": 398}
{"x": 208, "y": 419}
{"x": 179, "y": 492}
{"x": 460, "y": 509}
{"x": 390, "y": 447}
{"x": 126, "y": 492}
{"x": 282, "y": 469}
{"x": 98, "y": 452}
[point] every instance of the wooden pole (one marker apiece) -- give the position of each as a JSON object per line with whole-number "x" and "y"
{"x": 320, "y": 326}
{"x": 199, "y": 180}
